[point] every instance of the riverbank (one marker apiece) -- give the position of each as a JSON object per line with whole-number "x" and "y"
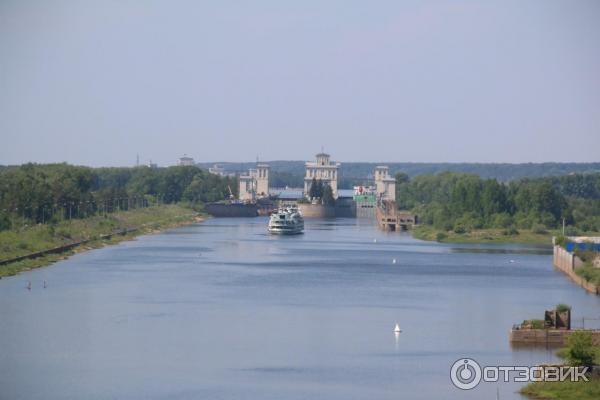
{"x": 566, "y": 390}
{"x": 87, "y": 233}
{"x": 524, "y": 236}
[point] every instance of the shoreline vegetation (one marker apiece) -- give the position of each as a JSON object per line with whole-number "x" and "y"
{"x": 464, "y": 208}
{"x": 491, "y": 235}
{"x": 96, "y": 231}
{"x": 579, "y": 351}
{"x": 61, "y": 209}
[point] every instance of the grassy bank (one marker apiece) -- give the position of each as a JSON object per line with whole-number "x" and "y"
{"x": 589, "y": 273}
{"x": 27, "y": 240}
{"x": 425, "y": 232}
{"x": 567, "y": 390}
{"x": 580, "y": 390}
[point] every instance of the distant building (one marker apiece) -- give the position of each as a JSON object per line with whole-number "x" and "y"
{"x": 322, "y": 169}
{"x": 255, "y": 183}
{"x": 186, "y": 161}
{"x": 262, "y": 180}
{"x": 218, "y": 169}
{"x": 385, "y": 185}
{"x": 247, "y": 190}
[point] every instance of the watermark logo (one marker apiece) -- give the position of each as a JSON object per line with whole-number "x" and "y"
{"x": 467, "y": 373}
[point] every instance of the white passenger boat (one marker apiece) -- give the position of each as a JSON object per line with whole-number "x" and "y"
{"x": 286, "y": 221}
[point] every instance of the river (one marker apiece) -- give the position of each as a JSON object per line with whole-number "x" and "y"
{"x": 222, "y": 310}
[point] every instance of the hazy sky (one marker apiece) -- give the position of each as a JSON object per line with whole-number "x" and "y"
{"x": 95, "y": 82}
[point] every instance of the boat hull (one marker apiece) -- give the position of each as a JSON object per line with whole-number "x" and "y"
{"x": 278, "y": 231}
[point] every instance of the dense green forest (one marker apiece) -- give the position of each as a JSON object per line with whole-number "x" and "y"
{"x": 291, "y": 173}
{"x": 35, "y": 193}
{"x": 461, "y": 202}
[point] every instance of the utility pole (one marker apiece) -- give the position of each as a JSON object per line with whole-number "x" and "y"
{"x": 563, "y": 227}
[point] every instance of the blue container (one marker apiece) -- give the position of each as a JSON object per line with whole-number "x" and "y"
{"x": 582, "y": 246}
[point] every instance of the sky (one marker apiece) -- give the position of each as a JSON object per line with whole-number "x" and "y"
{"x": 99, "y": 82}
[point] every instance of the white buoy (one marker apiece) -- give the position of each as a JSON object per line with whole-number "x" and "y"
{"x": 374, "y": 240}
{"x": 397, "y": 329}
{"x": 394, "y": 261}
{"x": 511, "y": 261}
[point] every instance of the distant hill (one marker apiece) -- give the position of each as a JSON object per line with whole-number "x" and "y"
{"x": 353, "y": 172}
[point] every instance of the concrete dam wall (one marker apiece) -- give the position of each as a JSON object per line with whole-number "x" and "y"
{"x": 568, "y": 262}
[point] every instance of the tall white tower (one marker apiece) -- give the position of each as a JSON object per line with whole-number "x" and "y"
{"x": 322, "y": 169}
{"x": 262, "y": 180}
{"x": 385, "y": 185}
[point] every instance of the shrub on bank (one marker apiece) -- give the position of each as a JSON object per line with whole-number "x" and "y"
{"x": 533, "y": 324}
{"x": 460, "y": 228}
{"x": 539, "y": 229}
{"x": 510, "y": 231}
{"x": 562, "y": 307}
{"x": 580, "y": 349}
{"x": 589, "y": 273}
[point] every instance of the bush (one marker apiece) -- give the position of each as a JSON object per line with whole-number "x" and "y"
{"x": 63, "y": 233}
{"x": 460, "y": 228}
{"x": 470, "y": 221}
{"x": 589, "y": 273}
{"x": 448, "y": 226}
{"x": 510, "y": 231}
{"x": 562, "y": 307}
{"x": 547, "y": 219}
{"x": 561, "y": 241}
{"x": 539, "y": 229}
{"x": 523, "y": 221}
{"x": 533, "y": 324}
{"x": 571, "y": 231}
{"x": 4, "y": 222}
{"x": 580, "y": 350}
{"x": 586, "y": 227}
{"x": 502, "y": 220}
{"x": 441, "y": 236}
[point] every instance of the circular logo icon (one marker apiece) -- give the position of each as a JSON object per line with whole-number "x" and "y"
{"x": 465, "y": 373}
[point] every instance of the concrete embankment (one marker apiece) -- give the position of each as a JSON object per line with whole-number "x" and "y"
{"x": 568, "y": 262}
{"x": 551, "y": 337}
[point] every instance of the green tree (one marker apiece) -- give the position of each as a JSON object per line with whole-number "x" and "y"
{"x": 316, "y": 189}
{"x": 580, "y": 350}
{"x": 320, "y": 188}
{"x": 312, "y": 193}
{"x": 328, "y": 198}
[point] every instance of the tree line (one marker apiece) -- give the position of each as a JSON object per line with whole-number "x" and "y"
{"x": 41, "y": 193}
{"x": 460, "y": 202}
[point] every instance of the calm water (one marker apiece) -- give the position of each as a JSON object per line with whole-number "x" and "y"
{"x": 221, "y": 310}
